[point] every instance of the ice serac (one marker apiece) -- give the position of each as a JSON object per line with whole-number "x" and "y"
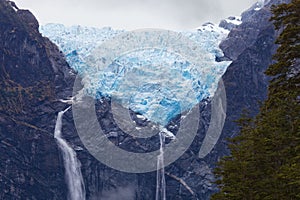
{"x": 72, "y": 164}
{"x": 156, "y": 83}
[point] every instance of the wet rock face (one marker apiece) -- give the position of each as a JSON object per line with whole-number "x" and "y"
{"x": 250, "y": 46}
{"x": 34, "y": 74}
{"x": 30, "y": 166}
{"x": 246, "y": 34}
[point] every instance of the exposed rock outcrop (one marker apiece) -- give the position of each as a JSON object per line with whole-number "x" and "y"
{"x": 33, "y": 75}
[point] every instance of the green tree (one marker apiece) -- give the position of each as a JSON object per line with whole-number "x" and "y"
{"x": 265, "y": 157}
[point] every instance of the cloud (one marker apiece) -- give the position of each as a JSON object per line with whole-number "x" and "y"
{"x": 133, "y": 14}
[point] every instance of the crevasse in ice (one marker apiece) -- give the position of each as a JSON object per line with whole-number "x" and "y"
{"x": 156, "y": 83}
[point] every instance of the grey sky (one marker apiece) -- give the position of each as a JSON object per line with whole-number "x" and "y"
{"x": 133, "y": 14}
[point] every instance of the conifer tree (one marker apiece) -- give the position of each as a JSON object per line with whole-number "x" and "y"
{"x": 265, "y": 157}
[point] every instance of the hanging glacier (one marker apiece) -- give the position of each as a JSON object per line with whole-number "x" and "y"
{"x": 155, "y": 83}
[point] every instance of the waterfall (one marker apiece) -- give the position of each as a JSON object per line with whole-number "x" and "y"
{"x": 160, "y": 174}
{"x": 72, "y": 164}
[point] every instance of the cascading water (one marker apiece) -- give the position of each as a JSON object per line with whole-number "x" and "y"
{"x": 160, "y": 176}
{"x": 72, "y": 164}
{"x": 155, "y": 82}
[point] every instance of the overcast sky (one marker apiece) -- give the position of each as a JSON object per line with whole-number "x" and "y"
{"x": 133, "y": 14}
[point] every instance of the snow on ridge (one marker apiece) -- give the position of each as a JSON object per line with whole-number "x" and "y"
{"x": 260, "y": 4}
{"x": 210, "y": 27}
{"x": 237, "y": 20}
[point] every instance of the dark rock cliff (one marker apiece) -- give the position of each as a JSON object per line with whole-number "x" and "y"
{"x": 250, "y": 46}
{"x": 34, "y": 75}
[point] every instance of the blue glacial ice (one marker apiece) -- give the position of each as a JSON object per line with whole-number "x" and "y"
{"x": 155, "y": 83}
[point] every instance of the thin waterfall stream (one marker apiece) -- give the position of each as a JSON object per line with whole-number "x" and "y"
{"x": 160, "y": 175}
{"x": 72, "y": 165}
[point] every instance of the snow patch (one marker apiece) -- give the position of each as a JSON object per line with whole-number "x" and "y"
{"x": 237, "y": 20}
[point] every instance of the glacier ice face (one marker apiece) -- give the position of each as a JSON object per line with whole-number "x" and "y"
{"x": 156, "y": 83}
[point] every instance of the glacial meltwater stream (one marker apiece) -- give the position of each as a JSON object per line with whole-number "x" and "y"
{"x": 159, "y": 74}
{"x": 72, "y": 164}
{"x": 160, "y": 176}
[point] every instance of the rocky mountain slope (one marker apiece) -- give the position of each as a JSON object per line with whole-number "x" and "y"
{"x": 34, "y": 75}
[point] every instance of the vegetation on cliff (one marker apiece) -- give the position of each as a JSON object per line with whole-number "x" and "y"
{"x": 265, "y": 157}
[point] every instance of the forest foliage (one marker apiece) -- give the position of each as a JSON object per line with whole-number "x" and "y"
{"x": 265, "y": 156}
